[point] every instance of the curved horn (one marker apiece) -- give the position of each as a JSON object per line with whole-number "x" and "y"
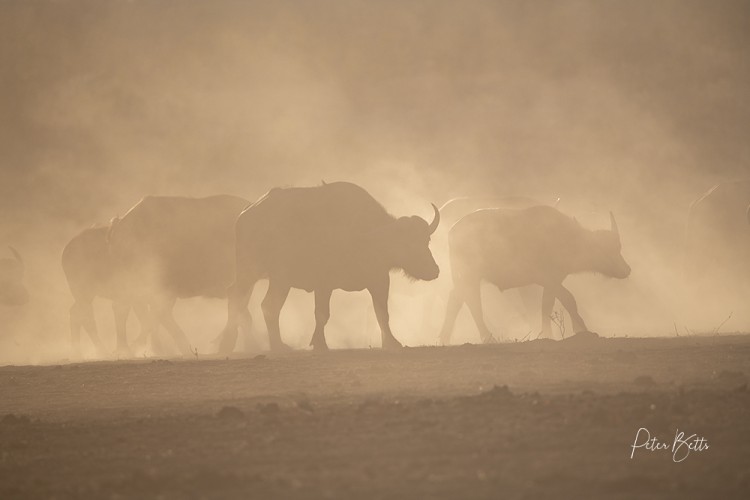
{"x": 17, "y": 256}
{"x": 613, "y": 223}
{"x": 435, "y": 220}
{"x": 112, "y": 224}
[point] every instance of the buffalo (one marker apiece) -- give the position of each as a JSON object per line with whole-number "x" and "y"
{"x": 165, "y": 248}
{"x": 91, "y": 272}
{"x": 450, "y": 213}
{"x": 319, "y": 239}
{"x": 12, "y": 289}
{"x": 514, "y": 248}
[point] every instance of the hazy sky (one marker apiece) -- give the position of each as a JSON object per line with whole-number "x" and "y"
{"x": 106, "y": 101}
{"x": 632, "y": 106}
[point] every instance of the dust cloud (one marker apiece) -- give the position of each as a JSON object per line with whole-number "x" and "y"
{"x": 632, "y": 107}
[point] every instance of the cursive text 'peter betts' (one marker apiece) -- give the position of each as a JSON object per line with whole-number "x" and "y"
{"x": 680, "y": 448}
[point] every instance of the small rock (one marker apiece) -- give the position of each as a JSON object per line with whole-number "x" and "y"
{"x": 644, "y": 381}
{"x": 230, "y": 413}
{"x": 731, "y": 376}
{"x": 268, "y": 408}
{"x": 11, "y": 419}
{"x": 582, "y": 337}
{"x": 305, "y": 406}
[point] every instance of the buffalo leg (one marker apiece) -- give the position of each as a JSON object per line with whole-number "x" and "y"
{"x": 529, "y": 300}
{"x": 271, "y": 306}
{"x": 163, "y": 309}
{"x": 141, "y": 312}
{"x": 246, "y": 326}
{"x": 76, "y": 323}
{"x": 569, "y": 303}
{"x": 379, "y": 294}
{"x": 455, "y": 302}
{"x": 238, "y": 297}
{"x": 322, "y": 313}
{"x": 149, "y": 328}
{"x": 548, "y": 303}
{"x": 121, "y": 311}
{"x": 82, "y": 316}
{"x": 472, "y": 293}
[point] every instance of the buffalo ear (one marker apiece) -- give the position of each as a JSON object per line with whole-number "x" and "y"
{"x": 112, "y": 225}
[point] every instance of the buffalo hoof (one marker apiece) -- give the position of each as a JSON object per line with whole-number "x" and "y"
{"x": 391, "y": 343}
{"x": 122, "y": 352}
{"x": 489, "y": 339}
{"x": 280, "y": 347}
{"x": 227, "y": 342}
{"x": 319, "y": 346}
{"x": 141, "y": 341}
{"x": 583, "y": 337}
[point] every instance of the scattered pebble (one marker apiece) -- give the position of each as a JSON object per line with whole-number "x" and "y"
{"x": 230, "y": 413}
{"x": 268, "y": 408}
{"x": 730, "y": 376}
{"x": 11, "y": 419}
{"x": 305, "y": 406}
{"x": 644, "y": 381}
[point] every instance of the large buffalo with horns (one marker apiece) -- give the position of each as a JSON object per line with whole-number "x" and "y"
{"x": 12, "y": 290}
{"x": 333, "y": 236}
{"x": 514, "y": 248}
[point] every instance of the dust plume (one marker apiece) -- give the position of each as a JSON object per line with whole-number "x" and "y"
{"x": 632, "y": 107}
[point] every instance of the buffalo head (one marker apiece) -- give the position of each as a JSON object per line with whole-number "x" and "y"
{"x": 12, "y": 290}
{"x": 606, "y": 252}
{"x": 406, "y": 241}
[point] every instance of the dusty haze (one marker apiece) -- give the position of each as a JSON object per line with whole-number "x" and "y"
{"x": 636, "y": 107}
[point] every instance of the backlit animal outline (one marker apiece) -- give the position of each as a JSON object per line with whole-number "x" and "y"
{"x": 513, "y": 248}
{"x": 319, "y": 239}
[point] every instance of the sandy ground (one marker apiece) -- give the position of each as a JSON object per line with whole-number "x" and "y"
{"x": 539, "y": 419}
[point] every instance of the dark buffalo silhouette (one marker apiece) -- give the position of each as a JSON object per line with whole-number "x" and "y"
{"x": 514, "y": 248}
{"x": 91, "y": 272}
{"x": 167, "y": 248}
{"x": 13, "y": 292}
{"x": 334, "y": 236}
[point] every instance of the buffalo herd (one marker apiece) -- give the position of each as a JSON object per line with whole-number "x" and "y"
{"x": 337, "y": 236}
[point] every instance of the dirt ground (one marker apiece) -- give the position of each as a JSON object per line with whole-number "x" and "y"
{"x": 540, "y": 419}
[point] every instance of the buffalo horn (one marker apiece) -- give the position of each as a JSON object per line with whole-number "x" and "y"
{"x": 613, "y": 223}
{"x": 435, "y": 220}
{"x": 17, "y": 255}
